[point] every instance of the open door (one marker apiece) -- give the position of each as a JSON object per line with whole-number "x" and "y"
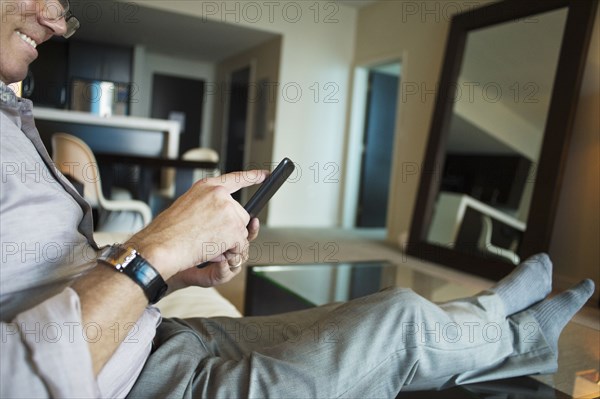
{"x": 380, "y": 122}
{"x": 237, "y": 119}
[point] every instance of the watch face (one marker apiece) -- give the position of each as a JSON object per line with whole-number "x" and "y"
{"x": 118, "y": 256}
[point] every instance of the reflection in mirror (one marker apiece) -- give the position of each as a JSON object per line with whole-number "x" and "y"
{"x": 500, "y": 107}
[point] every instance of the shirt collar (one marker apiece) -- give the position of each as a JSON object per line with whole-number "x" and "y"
{"x": 8, "y": 99}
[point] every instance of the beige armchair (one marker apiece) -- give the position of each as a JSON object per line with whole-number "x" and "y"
{"x": 184, "y": 179}
{"x": 74, "y": 157}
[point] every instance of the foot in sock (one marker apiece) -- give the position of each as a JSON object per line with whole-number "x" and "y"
{"x": 529, "y": 283}
{"x": 554, "y": 313}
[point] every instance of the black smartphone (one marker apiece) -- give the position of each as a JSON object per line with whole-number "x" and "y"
{"x": 269, "y": 187}
{"x": 265, "y": 192}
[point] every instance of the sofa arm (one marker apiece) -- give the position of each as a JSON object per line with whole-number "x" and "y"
{"x": 196, "y": 302}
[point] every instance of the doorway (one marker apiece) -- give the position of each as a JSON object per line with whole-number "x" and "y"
{"x": 180, "y": 99}
{"x": 378, "y": 143}
{"x": 237, "y": 118}
{"x": 236, "y": 123}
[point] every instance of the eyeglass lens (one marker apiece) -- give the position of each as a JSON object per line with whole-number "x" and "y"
{"x": 72, "y": 25}
{"x": 55, "y": 9}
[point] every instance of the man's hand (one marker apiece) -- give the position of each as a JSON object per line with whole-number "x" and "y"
{"x": 202, "y": 223}
{"x": 173, "y": 243}
{"x": 221, "y": 269}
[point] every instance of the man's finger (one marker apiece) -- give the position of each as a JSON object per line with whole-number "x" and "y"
{"x": 234, "y": 259}
{"x": 253, "y": 229}
{"x": 235, "y": 181}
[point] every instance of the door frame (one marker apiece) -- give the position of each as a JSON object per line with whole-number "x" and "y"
{"x": 356, "y": 133}
{"x": 252, "y": 93}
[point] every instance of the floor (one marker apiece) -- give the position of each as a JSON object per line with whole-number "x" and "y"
{"x": 579, "y": 361}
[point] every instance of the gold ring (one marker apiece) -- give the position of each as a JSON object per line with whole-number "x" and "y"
{"x": 237, "y": 264}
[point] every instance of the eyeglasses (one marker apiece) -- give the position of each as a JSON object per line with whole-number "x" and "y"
{"x": 54, "y": 10}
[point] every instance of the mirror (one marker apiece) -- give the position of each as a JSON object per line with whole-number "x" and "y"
{"x": 495, "y": 135}
{"x": 499, "y": 134}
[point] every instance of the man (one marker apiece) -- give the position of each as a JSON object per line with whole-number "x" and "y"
{"x": 65, "y": 314}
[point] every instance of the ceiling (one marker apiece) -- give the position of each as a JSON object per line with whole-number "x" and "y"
{"x": 173, "y": 34}
{"x": 169, "y": 33}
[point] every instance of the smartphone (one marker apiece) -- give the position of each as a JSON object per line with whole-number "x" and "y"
{"x": 269, "y": 187}
{"x": 265, "y": 192}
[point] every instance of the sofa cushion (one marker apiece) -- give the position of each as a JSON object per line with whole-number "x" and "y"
{"x": 196, "y": 302}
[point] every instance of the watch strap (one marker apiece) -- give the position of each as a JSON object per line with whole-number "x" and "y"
{"x": 129, "y": 262}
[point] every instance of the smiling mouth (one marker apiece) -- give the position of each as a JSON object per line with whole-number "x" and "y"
{"x": 27, "y": 39}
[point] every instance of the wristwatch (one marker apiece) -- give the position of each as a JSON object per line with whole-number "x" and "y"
{"x": 128, "y": 261}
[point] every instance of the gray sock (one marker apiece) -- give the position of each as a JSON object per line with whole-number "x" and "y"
{"x": 553, "y": 314}
{"x": 529, "y": 283}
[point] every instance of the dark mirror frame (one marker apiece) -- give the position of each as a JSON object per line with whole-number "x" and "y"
{"x": 554, "y": 151}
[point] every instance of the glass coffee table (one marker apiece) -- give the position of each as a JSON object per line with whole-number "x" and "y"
{"x": 273, "y": 289}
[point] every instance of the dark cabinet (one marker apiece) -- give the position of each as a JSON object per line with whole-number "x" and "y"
{"x": 60, "y": 62}
{"x": 93, "y": 61}
{"x": 48, "y": 78}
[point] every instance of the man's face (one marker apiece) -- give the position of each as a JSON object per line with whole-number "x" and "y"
{"x": 22, "y": 28}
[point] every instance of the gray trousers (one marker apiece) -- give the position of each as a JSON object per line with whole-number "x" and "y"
{"x": 369, "y": 347}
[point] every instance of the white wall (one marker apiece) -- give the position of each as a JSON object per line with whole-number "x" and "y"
{"x": 317, "y": 52}
{"x": 147, "y": 63}
{"x": 576, "y": 234}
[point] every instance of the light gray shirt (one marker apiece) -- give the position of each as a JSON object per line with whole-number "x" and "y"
{"x": 46, "y": 242}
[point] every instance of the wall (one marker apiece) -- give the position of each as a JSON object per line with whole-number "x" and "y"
{"x": 576, "y": 236}
{"x": 147, "y": 63}
{"x": 316, "y": 57}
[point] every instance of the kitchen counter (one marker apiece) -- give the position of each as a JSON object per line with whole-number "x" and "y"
{"x": 160, "y": 132}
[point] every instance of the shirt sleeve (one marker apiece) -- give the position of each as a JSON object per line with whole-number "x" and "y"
{"x": 45, "y": 351}
{"x": 124, "y": 367}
